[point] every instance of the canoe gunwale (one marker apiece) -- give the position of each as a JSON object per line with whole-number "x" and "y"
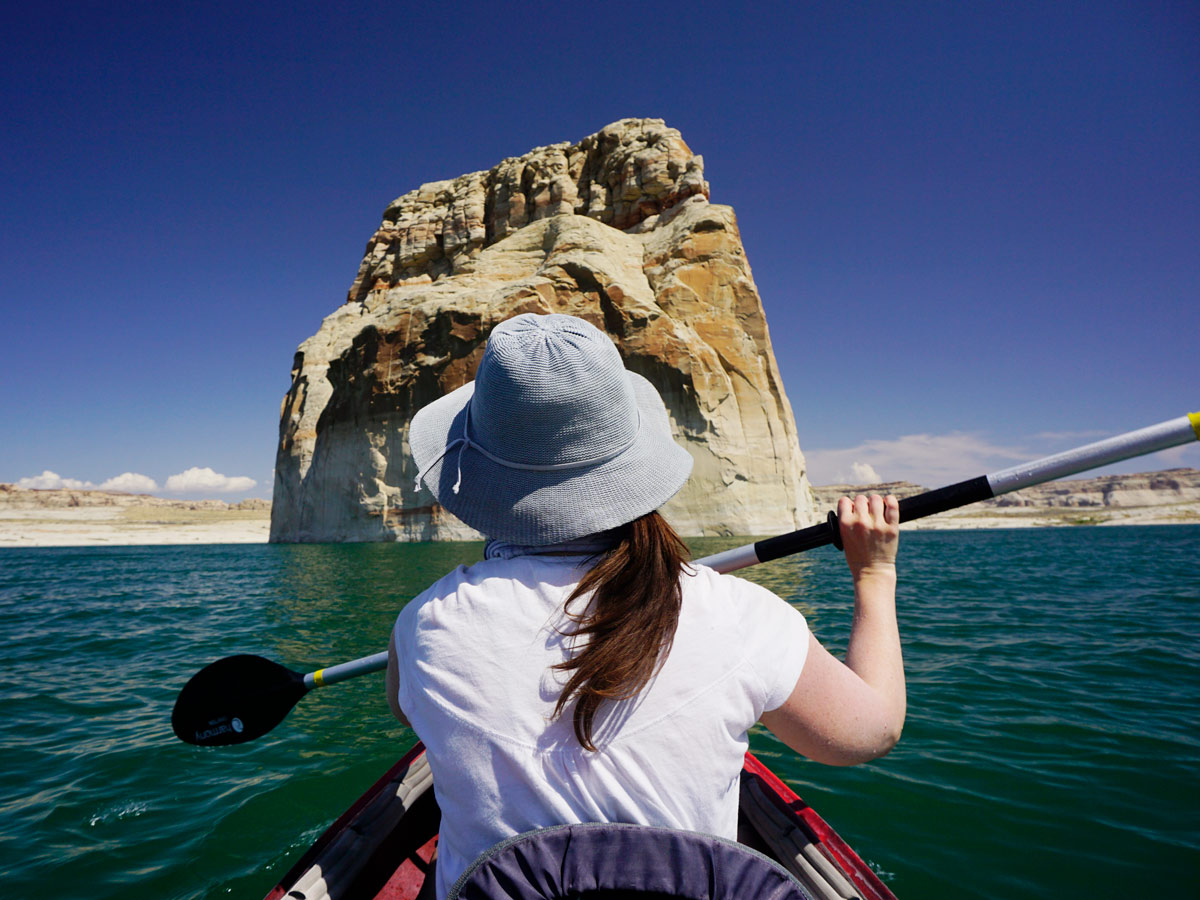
{"x": 366, "y": 854}
{"x": 821, "y": 847}
{"x": 378, "y": 868}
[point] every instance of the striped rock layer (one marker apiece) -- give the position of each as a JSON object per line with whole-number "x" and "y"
{"x": 616, "y": 229}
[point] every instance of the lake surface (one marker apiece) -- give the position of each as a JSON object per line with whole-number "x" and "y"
{"x": 1052, "y": 745}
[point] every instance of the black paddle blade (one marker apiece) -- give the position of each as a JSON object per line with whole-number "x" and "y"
{"x": 235, "y": 700}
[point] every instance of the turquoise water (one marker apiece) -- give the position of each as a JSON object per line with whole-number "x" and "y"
{"x": 1052, "y": 746}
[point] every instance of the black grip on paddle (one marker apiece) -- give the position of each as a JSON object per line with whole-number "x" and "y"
{"x": 827, "y": 532}
{"x": 835, "y": 529}
{"x": 950, "y": 497}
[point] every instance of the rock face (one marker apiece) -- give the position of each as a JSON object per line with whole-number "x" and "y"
{"x": 616, "y": 229}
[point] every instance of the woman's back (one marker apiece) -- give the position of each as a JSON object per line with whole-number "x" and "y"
{"x": 476, "y": 655}
{"x": 644, "y": 720}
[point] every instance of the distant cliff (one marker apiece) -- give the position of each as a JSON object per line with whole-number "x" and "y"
{"x": 1172, "y": 495}
{"x": 616, "y": 229}
{"x": 1110, "y": 491}
{"x": 13, "y": 497}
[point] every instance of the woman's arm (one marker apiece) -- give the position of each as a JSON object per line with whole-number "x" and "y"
{"x": 846, "y": 713}
{"x": 392, "y": 681}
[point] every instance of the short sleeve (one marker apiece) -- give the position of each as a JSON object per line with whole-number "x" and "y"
{"x": 401, "y": 638}
{"x": 775, "y": 636}
{"x": 404, "y": 637}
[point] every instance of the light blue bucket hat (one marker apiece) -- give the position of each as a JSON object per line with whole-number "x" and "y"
{"x": 554, "y": 440}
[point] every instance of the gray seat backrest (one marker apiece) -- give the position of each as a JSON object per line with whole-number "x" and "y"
{"x": 597, "y": 861}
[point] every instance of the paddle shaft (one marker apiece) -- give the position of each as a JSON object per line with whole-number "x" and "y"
{"x": 1171, "y": 433}
{"x": 376, "y": 662}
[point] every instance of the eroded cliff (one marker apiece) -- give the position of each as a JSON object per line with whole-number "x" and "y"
{"x": 616, "y": 229}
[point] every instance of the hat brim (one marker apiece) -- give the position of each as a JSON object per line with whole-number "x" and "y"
{"x": 546, "y": 507}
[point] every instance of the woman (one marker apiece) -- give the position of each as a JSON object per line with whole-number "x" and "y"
{"x": 583, "y": 671}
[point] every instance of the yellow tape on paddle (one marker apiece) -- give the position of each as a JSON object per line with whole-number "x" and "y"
{"x": 1194, "y": 418}
{"x": 319, "y": 678}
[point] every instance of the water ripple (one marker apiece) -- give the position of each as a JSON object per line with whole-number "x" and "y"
{"x": 1052, "y": 746}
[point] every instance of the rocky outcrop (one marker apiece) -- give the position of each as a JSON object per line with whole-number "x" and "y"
{"x": 616, "y": 229}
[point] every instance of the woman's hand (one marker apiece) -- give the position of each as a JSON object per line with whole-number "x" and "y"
{"x": 870, "y": 533}
{"x": 845, "y": 713}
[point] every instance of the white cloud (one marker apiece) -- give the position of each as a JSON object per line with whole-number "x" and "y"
{"x": 131, "y": 483}
{"x": 195, "y": 480}
{"x": 1070, "y": 437}
{"x": 198, "y": 479}
{"x": 864, "y": 473}
{"x": 52, "y": 481}
{"x": 932, "y": 460}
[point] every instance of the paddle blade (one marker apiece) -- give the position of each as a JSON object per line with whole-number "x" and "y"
{"x": 235, "y": 700}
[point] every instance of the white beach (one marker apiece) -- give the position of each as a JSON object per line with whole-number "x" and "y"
{"x": 116, "y": 526}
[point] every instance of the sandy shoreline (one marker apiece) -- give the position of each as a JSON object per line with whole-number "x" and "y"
{"x": 117, "y": 526}
{"x": 133, "y": 526}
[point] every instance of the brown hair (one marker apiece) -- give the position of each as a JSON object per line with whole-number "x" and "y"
{"x": 634, "y": 595}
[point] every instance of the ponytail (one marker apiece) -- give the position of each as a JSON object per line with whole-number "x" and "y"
{"x": 635, "y": 595}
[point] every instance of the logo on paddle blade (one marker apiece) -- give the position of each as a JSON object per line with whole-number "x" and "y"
{"x": 218, "y": 727}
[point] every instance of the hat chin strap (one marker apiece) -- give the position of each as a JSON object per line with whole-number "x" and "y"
{"x": 465, "y": 442}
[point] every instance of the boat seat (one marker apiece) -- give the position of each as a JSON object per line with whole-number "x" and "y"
{"x": 596, "y": 861}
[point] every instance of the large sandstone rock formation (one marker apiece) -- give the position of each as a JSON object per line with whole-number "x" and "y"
{"x": 616, "y": 229}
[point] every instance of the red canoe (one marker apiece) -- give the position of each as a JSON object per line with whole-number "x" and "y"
{"x": 379, "y": 849}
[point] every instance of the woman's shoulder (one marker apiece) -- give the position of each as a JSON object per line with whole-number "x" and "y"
{"x": 495, "y": 582}
{"x": 739, "y": 603}
{"x": 445, "y": 586}
{"x": 474, "y": 574}
{"x": 701, "y": 579}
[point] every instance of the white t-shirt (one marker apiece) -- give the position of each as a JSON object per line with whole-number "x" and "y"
{"x": 475, "y": 654}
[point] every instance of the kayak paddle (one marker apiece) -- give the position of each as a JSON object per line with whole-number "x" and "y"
{"x": 240, "y": 698}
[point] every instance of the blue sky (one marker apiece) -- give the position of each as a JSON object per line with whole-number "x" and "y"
{"x": 975, "y": 226}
